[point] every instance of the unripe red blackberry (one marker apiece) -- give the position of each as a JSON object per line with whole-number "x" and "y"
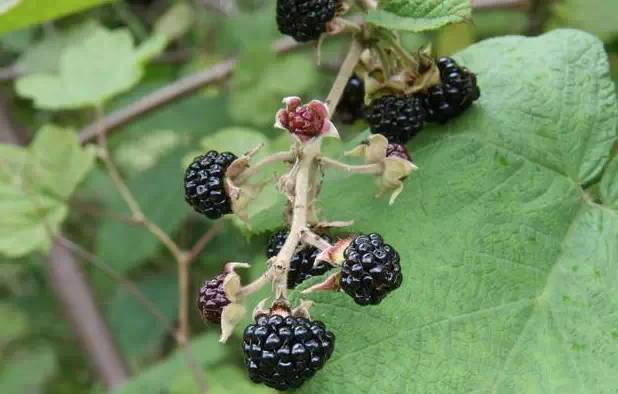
{"x": 454, "y": 95}
{"x": 305, "y": 20}
{"x": 370, "y": 270}
{"x": 205, "y": 184}
{"x": 212, "y": 299}
{"x": 284, "y": 351}
{"x": 397, "y": 150}
{"x": 351, "y": 105}
{"x": 301, "y": 264}
{"x": 398, "y": 118}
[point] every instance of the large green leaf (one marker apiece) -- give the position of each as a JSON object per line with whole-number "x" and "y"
{"x": 90, "y": 71}
{"x": 419, "y": 15}
{"x": 174, "y": 375}
{"x": 599, "y": 17}
{"x": 510, "y": 271}
{"x": 27, "y": 12}
{"x": 609, "y": 184}
{"x": 35, "y": 183}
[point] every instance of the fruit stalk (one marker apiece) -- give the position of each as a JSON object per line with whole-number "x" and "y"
{"x": 345, "y": 72}
{"x": 372, "y": 169}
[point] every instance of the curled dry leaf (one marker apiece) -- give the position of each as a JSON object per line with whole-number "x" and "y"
{"x": 331, "y": 283}
{"x": 334, "y": 254}
{"x": 231, "y": 315}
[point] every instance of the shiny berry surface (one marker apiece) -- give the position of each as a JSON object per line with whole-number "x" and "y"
{"x": 283, "y": 352}
{"x": 398, "y": 118}
{"x": 212, "y": 299}
{"x": 371, "y": 269}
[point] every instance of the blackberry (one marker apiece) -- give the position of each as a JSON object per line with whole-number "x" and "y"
{"x": 305, "y": 20}
{"x": 398, "y": 118}
{"x": 205, "y": 186}
{"x": 397, "y": 150}
{"x": 370, "y": 269}
{"x": 350, "y": 108}
{"x": 454, "y": 95}
{"x": 212, "y": 299}
{"x": 283, "y": 352}
{"x": 301, "y": 265}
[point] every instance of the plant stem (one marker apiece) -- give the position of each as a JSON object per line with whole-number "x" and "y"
{"x": 257, "y": 167}
{"x": 281, "y": 263}
{"x": 256, "y": 285}
{"x": 308, "y": 237}
{"x": 373, "y": 169}
{"x": 345, "y": 72}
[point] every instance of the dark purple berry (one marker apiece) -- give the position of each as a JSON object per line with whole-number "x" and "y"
{"x": 212, "y": 299}
{"x": 351, "y": 105}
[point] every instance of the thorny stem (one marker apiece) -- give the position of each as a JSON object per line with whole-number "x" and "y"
{"x": 372, "y": 169}
{"x": 281, "y": 263}
{"x": 345, "y": 72}
{"x": 254, "y": 169}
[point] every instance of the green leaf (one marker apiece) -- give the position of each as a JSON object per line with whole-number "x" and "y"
{"x": 138, "y": 332}
{"x": 28, "y": 370}
{"x": 173, "y": 375}
{"x": 14, "y": 326}
{"x": 29, "y": 12}
{"x": 509, "y": 271}
{"x": 419, "y": 15}
{"x": 35, "y": 183}
{"x": 609, "y": 184}
{"x": 123, "y": 246}
{"x": 598, "y": 17}
{"x": 98, "y": 67}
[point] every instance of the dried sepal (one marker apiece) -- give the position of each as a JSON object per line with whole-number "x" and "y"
{"x": 242, "y": 196}
{"x": 231, "y": 315}
{"x": 396, "y": 170}
{"x": 302, "y": 310}
{"x": 331, "y": 283}
{"x": 260, "y": 308}
{"x": 334, "y": 254}
{"x": 374, "y": 150}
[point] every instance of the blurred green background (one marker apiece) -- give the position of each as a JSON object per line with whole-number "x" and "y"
{"x": 38, "y": 349}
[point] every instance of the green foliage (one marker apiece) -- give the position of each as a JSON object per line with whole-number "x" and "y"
{"x": 509, "y": 271}
{"x": 91, "y": 71}
{"x": 22, "y": 13}
{"x": 28, "y": 370}
{"x": 609, "y": 184}
{"x": 175, "y": 376}
{"x": 176, "y": 21}
{"x": 599, "y": 17}
{"x": 14, "y": 326}
{"x": 419, "y": 15}
{"x": 35, "y": 184}
{"x": 141, "y": 335}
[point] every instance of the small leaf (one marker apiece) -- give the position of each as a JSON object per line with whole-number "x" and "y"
{"x": 24, "y": 13}
{"x": 419, "y": 15}
{"x": 35, "y": 183}
{"x": 100, "y": 66}
{"x": 175, "y": 22}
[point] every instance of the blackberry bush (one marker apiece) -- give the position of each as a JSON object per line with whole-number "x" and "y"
{"x": 205, "y": 184}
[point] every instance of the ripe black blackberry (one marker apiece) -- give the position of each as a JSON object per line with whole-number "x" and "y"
{"x": 454, "y": 95}
{"x": 370, "y": 270}
{"x": 301, "y": 264}
{"x": 212, "y": 299}
{"x": 305, "y": 20}
{"x": 398, "y": 118}
{"x": 350, "y": 107}
{"x": 283, "y": 352}
{"x": 205, "y": 185}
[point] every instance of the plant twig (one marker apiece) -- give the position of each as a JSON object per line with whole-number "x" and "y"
{"x": 373, "y": 169}
{"x": 257, "y": 284}
{"x": 345, "y": 72}
{"x": 308, "y": 237}
{"x": 257, "y": 167}
{"x": 199, "y": 246}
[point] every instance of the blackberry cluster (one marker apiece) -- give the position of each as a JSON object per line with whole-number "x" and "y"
{"x": 205, "y": 186}
{"x": 301, "y": 264}
{"x": 305, "y": 20}
{"x": 350, "y": 107}
{"x": 371, "y": 269}
{"x": 212, "y": 299}
{"x": 454, "y": 95}
{"x": 397, "y": 150}
{"x": 398, "y": 118}
{"x": 283, "y": 352}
